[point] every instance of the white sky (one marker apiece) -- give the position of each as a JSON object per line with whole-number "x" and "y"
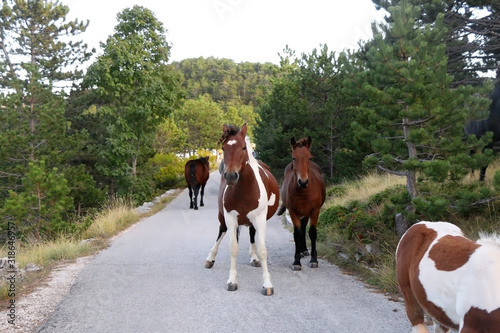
{"x": 241, "y": 30}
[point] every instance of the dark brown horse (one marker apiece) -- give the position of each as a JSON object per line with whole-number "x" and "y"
{"x": 248, "y": 195}
{"x": 303, "y": 193}
{"x": 196, "y": 173}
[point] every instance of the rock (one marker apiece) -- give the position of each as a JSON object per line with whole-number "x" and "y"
{"x": 32, "y": 268}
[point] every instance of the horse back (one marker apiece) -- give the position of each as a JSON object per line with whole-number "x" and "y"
{"x": 197, "y": 171}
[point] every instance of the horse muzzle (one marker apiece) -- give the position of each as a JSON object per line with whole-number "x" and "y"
{"x": 303, "y": 183}
{"x": 231, "y": 177}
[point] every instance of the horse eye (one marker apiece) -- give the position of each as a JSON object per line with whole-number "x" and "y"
{"x": 245, "y": 148}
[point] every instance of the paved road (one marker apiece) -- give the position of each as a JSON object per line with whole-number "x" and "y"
{"x": 153, "y": 279}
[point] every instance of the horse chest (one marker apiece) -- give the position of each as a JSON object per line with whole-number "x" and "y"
{"x": 247, "y": 201}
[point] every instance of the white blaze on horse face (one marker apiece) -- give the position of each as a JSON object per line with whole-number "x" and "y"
{"x": 231, "y": 142}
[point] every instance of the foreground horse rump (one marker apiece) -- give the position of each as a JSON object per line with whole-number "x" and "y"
{"x": 248, "y": 195}
{"x": 197, "y": 173}
{"x": 454, "y": 280}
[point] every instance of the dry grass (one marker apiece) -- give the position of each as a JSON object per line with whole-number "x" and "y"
{"x": 113, "y": 218}
{"x": 364, "y": 188}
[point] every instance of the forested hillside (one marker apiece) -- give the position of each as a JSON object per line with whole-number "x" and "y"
{"x": 75, "y": 133}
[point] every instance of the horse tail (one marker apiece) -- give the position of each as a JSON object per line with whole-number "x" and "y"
{"x": 281, "y": 210}
{"x": 192, "y": 175}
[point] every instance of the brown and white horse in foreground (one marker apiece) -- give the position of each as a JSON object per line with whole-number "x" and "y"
{"x": 248, "y": 195}
{"x": 454, "y": 280}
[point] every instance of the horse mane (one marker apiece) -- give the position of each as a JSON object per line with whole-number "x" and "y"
{"x": 302, "y": 143}
{"x": 493, "y": 239}
{"x": 231, "y": 130}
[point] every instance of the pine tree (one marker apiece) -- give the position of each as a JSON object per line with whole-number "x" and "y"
{"x": 412, "y": 119}
{"x": 37, "y": 65}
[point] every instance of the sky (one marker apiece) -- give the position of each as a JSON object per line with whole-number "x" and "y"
{"x": 241, "y": 30}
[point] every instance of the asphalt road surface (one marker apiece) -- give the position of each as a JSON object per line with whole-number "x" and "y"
{"x": 153, "y": 279}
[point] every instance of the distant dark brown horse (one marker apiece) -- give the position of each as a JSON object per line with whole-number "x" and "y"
{"x": 196, "y": 173}
{"x": 303, "y": 193}
{"x": 248, "y": 195}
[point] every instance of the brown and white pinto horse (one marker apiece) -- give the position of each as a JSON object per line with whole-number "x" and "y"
{"x": 248, "y": 195}
{"x": 303, "y": 193}
{"x": 454, "y": 280}
{"x": 197, "y": 173}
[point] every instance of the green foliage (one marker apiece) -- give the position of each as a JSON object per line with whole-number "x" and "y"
{"x": 169, "y": 170}
{"x": 41, "y": 208}
{"x": 307, "y": 100}
{"x": 225, "y": 81}
{"x": 201, "y": 121}
{"x": 135, "y": 92}
{"x": 410, "y": 115}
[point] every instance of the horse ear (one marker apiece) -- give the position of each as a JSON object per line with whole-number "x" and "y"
{"x": 292, "y": 142}
{"x": 244, "y": 129}
{"x": 309, "y": 142}
{"x": 225, "y": 128}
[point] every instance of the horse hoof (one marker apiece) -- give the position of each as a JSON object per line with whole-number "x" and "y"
{"x": 267, "y": 291}
{"x": 296, "y": 267}
{"x": 232, "y": 286}
{"x": 209, "y": 264}
{"x": 313, "y": 264}
{"x": 255, "y": 263}
{"x": 195, "y": 208}
{"x": 305, "y": 253}
{"x": 190, "y": 207}
{"x": 201, "y": 205}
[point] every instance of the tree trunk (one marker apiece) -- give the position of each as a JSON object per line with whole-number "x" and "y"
{"x": 411, "y": 178}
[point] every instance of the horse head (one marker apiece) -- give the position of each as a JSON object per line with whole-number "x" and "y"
{"x": 235, "y": 151}
{"x": 301, "y": 156}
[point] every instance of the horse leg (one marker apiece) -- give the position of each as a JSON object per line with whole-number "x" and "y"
{"x": 232, "y": 283}
{"x": 210, "y": 261}
{"x": 414, "y": 311}
{"x": 482, "y": 174}
{"x": 260, "y": 227}
{"x": 196, "y": 191}
{"x": 190, "y": 197}
{"x": 254, "y": 261}
{"x": 299, "y": 240}
{"x": 313, "y": 234}
{"x": 303, "y": 225}
{"x": 202, "y": 194}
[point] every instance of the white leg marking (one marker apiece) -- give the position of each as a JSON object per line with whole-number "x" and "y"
{"x": 213, "y": 251}
{"x": 420, "y": 328}
{"x": 232, "y": 226}
{"x": 253, "y": 253}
